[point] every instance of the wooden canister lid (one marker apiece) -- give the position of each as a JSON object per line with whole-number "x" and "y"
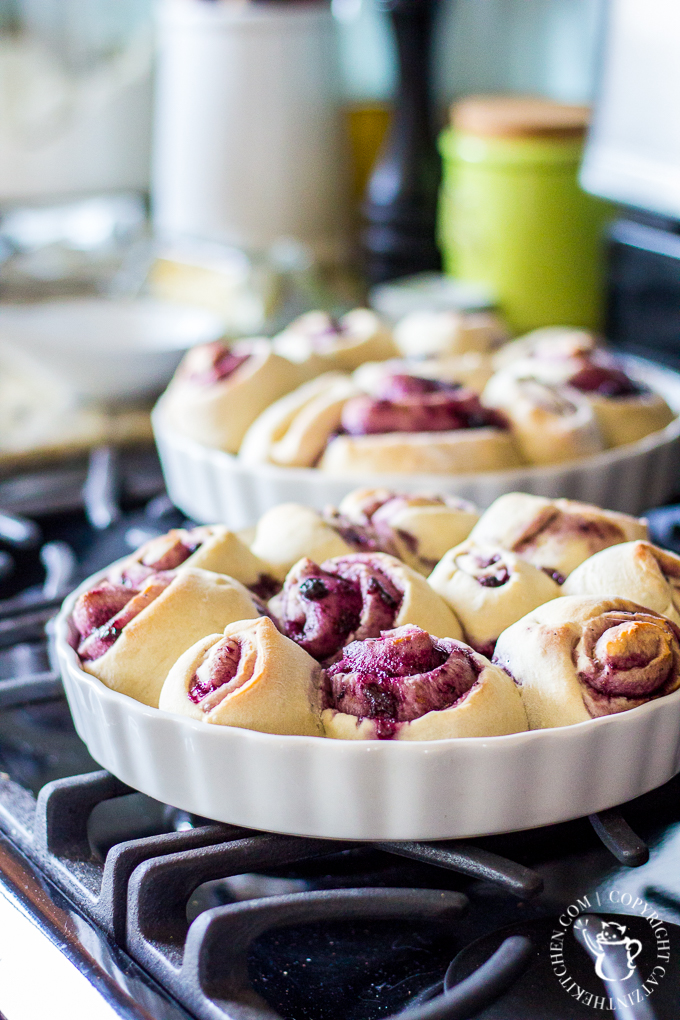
{"x": 519, "y": 117}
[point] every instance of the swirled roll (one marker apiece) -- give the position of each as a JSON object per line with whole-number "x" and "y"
{"x": 421, "y": 426}
{"x": 408, "y": 685}
{"x": 250, "y": 676}
{"x": 626, "y": 410}
{"x": 426, "y": 334}
{"x": 553, "y": 343}
{"x": 416, "y": 527}
{"x": 219, "y": 390}
{"x": 549, "y": 423}
{"x": 348, "y": 598}
{"x": 210, "y": 547}
{"x": 317, "y": 342}
{"x": 554, "y": 534}
{"x": 489, "y": 588}
{"x": 293, "y": 431}
{"x": 578, "y": 658}
{"x": 130, "y": 637}
{"x": 290, "y": 531}
{"x": 638, "y": 571}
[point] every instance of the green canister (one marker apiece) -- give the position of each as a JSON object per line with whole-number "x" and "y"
{"x": 512, "y": 214}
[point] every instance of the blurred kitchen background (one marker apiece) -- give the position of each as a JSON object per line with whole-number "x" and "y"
{"x": 176, "y": 171}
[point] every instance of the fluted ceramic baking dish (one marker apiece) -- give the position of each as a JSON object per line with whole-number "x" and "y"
{"x": 370, "y": 790}
{"x": 210, "y": 485}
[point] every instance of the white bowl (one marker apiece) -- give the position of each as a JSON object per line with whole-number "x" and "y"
{"x": 210, "y": 485}
{"x": 371, "y": 790}
{"x": 108, "y": 348}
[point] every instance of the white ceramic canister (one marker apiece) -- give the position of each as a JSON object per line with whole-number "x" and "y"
{"x": 248, "y": 137}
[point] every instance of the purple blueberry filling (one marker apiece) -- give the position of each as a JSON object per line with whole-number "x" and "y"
{"x": 417, "y": 405}
{"x": 324, "y": 607}
{"x": 220, "y": 668}
{"x": 101, "y": 613}
{"x": 221, "y": 363}
{"x": 400, "y": 676}
{"x": 605, "y": 381}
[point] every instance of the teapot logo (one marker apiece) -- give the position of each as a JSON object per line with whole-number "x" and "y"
{"x": 613, "y": 951}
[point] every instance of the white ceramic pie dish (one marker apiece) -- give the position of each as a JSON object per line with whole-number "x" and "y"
{"x": 371, "y": 790}
{"x": 210, "y": 485}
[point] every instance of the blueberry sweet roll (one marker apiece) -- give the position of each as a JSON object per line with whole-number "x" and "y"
{"x": 550, "y": 423}
{"x": 554, "y": 534}
{"x": 210, "y": 547}
{"x": 489, "y": 588}
{"x": 348, "y": 598}
{"x": 638, "y": 571}
{"x": 427, "y": 334}
{"x": 219, "y": 390}
{"x": 129, "y": 637}
{"x": 416, "y": 527}
{"x": 579, "y": 658}
{"x": 317, "y": 342}
{"x": 406, "y": 684}
{"x": 250, "y": 676}
{"x": 290, "y": 531}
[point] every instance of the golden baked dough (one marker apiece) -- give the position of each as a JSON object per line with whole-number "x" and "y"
{"x": 554, "y": 534}
{"x": 391, "y": 688}
{"x": 627, "y": 419}
{"x": 549, "y": 423}
{"x": 210, "y": 547}
{"x": 318, "y": 343}
{"x": 581, "y": 657}
{"x": 461, "y": 451}
{"x": 290, "y": 531}
{"x": 250, "y": 676}
{"x": 426, "y": 334}
{"x": 218, "y": 413}
{"x": 195, "y": 603}
{"x": 489, "y": 588}
{"x": 638, "y": 571}
{"x": 293, "y": 431}
{"x": 548, "y": 342}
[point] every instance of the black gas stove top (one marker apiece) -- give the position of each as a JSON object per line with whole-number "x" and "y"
{"x": 113, "y": 905}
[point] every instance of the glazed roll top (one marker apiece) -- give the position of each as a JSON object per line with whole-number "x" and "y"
{"x": 219, "y": 390}
{"x": 554, "y": 534}
{"x": 417, "y": 527}
{"x": 322, "y": 608}
{"x": 638, "y": 571}
{"x": 489, "y": 589}
{"x": 250, "y": 676}
{"x": 579, "y": 658}
{"x": 405, "y": 683}
{"x": 129, "y": 637}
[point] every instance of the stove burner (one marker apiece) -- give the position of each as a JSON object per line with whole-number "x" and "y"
{"x": 538, "y": 995}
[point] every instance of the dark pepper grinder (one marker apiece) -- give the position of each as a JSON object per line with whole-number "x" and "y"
{"x": 400, "y": 209}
